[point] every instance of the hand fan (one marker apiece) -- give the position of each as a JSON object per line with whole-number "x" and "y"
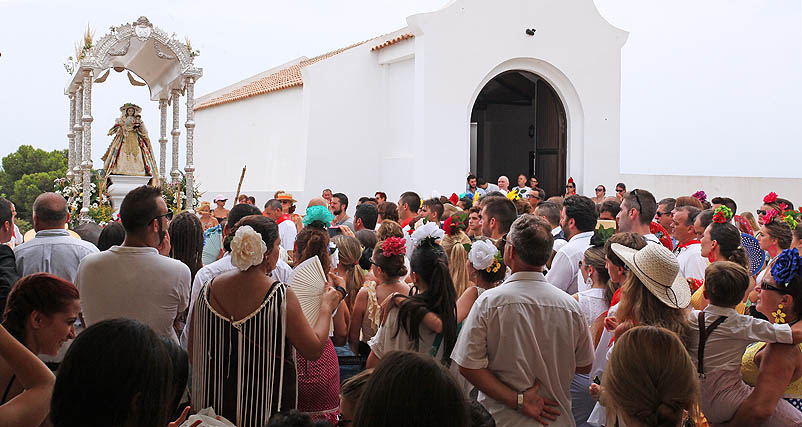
{"x": 757, "y": 257}
{"x": 308, "y": 281}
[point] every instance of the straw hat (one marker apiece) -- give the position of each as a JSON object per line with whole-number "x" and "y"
{"x": 658, "y": 269}
{"x": 286, "y": 196}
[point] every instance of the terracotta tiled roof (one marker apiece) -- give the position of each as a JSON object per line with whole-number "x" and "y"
{"x": 282, "y": 79}
{"x": 400, "y": 38}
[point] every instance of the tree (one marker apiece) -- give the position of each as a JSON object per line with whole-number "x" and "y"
{"x": 29, "y": 172}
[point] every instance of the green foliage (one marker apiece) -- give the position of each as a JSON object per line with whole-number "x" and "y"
{"x": 29, "y": 172}
{"x": 24, "y": 226}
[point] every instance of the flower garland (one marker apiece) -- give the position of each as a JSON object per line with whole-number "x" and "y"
{"x": 394, "y": 246}
{"x": 700, "y": 195}
{"x": 456, "y": 223}
{"x": 723, "y": 215}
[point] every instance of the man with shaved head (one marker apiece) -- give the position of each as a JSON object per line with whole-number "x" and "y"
{"x": 53, "y": 250}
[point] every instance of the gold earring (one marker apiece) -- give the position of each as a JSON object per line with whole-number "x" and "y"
{"x": 779, "y": 316}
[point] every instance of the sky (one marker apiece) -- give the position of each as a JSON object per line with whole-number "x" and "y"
{"x": 719, "y": 79}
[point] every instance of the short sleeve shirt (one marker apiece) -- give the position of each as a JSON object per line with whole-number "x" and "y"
{"x": 526, "y": 330}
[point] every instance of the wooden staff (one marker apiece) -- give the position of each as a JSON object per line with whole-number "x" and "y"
{"x": 239, "y": 186}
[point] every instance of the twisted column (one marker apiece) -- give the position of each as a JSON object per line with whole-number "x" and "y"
{"x": 189, "y": 168}
{"x": 176, "y": 94}
{"x": 163, "y": 138}
{"x": 71, "y": 139}
{"x": 78, "y": 129}
{"x": 86, "y": 164}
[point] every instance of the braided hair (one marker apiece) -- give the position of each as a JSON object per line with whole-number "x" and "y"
{"x": 186, "y": 241}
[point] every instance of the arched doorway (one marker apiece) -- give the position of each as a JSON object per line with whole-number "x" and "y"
{"x": 518, "y": 125}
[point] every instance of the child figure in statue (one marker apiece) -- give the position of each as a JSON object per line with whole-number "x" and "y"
{"x": 130, "y": 152}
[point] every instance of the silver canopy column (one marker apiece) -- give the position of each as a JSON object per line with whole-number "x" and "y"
{"x": 86, "y": 164}
{"x": 176, "y": 94}
{"x": 189, "y": 168}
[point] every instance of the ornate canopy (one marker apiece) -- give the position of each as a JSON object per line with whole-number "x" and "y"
{"x": 159, "y": 59}
{"x": 165, "y": 65}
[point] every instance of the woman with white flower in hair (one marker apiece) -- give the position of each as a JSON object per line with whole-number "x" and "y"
{"x": 244, "y": 329}
{"x": 486, "y": 269}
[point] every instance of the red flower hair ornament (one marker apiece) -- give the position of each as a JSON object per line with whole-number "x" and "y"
{"x": 455, "y": 223}
{"x": 770, "y": 198}
{"x": 770, "y": 215}
{"x": 394, "y": 246}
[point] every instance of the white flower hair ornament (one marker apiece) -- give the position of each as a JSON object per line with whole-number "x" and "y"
{"x": 429, "y": 230}
{"x": 247, "y": 248}
{"x": 483, "y": 254}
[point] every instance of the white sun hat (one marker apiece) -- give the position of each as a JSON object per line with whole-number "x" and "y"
{"x": 658, "y": 270}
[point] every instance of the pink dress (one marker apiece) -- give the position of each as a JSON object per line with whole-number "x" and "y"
{"x": 319, "y": 385}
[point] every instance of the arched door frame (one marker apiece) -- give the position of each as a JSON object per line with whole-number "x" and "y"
{"x": 568, "y": 96}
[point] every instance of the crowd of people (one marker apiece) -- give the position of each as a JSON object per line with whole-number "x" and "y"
{"x": 497, "y": 306}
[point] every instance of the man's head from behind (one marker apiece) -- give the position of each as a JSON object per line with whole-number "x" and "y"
{"x": 50, "y": 212}
{"x": 143, "y": 214}
{"x": 237, "y": 213}
{"x": 529, "y": 243}
{"x": 637, "y": 209}
{"x": 273, "y": 209}
{"x": 6, "y": 221}
{"x": 498, "y": 213}
{"x": 550, "y": 212}
{"x": 578, "y": 215}
{"x": 609, "y": 209}
{"x": 365, "y": 217}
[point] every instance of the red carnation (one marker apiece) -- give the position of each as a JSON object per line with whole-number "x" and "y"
{"x": 453, "y": 199}
{"x": 394, "y": 246}
{"x": 719, "y": 218}
{"x": 783, "y": 207}
{"x": 770, "y": 198}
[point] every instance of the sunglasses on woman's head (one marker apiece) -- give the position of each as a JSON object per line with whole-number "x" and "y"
{"x": 764, "y": 285}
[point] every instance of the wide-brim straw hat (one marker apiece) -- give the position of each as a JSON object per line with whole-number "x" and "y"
{"x": 286, "y": 196}
{"x": 658, "y": 270}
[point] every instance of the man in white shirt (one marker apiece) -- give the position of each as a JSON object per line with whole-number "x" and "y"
{"x": 526, "y": 338}
{"x": 133, "y": 280}
{"x": 551, "y": 213}
{"x": 638, "y": 208}
{"x": 503, "y": 184}
{"x": 222, "y": 265}
{"x": 689, "y": 248}
{"x": 577, "y": 219}
{"x": 53, "y": 250}
{"x": 286, "y": 228}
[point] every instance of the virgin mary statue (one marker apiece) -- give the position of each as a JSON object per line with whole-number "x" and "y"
{"x": 130, "y": 152}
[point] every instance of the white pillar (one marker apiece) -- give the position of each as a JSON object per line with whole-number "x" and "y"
{"x": 78, "y": 129}
{"x": 176, "y": 94}
{"x": 189, "y": 168}
{"x": 86, "y": 164}
{"x": 163, "y": 138}
{"x": 71, "y": 139}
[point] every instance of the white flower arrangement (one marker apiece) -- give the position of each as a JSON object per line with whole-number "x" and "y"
{"x": 483, "y": 254}
{"x": 428, "y": 230}
{"x": 247, "y": 248}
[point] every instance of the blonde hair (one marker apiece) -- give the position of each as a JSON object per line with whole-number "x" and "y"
{"x": 752, "y": 221}
{"x": 652, "y": 387}
{"x": 457, "y": 257}
{"x": 389, "y": 228}
{"x": 350, "y": 251}
{"x": 641, "y": 307}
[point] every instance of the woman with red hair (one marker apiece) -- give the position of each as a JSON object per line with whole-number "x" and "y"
{"x": 41, "y": 312}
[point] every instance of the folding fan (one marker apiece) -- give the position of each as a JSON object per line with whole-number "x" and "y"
{"x": 308, "y": 281}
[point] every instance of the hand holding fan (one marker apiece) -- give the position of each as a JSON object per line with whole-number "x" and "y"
{"x": 308, "y": 280}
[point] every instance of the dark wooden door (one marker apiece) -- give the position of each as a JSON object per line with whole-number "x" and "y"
{"x": 550, "y": 142}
